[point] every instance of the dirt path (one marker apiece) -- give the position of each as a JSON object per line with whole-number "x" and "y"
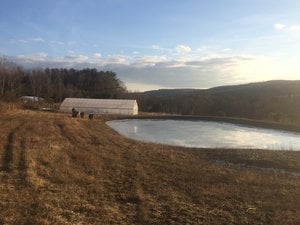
{"x": 59, "y": 170}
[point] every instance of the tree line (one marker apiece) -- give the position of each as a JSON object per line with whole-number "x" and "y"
{"x": 56, "y": 84}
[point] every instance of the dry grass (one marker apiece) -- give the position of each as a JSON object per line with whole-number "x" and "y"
{"x": 60, "y": 170}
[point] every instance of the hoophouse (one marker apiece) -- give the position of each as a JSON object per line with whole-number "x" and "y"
{"x": 100, "y": 106}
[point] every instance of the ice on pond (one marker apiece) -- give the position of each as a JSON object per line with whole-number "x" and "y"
{"x": 206, "y": 134}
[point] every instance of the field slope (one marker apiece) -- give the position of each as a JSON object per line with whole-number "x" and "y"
{"x": 59, "y": 170}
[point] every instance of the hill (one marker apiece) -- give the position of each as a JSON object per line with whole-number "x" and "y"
{"x": 272, "y": 87}
{"x": 59, "y": 170}
{"x": 272, "y": 100}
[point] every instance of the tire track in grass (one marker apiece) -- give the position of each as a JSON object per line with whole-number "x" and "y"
{"x": 9, "y": 149}
{"x": 17, "y": 196}
{"x": 113, "y": 174}
{"x": 8, "y": 153}
{"x": 123, "y": 165}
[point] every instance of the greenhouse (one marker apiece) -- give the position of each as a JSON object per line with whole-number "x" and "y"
{"x": 100, "y": 106}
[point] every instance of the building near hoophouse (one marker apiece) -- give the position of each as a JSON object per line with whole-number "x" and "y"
{"x": 31, "y": 98}
{"x": 100, "y": 106}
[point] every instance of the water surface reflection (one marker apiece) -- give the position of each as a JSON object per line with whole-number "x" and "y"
{"x": 206, "y": 134}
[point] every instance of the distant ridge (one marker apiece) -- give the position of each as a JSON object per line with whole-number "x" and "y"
{"x": 278, "y": 86}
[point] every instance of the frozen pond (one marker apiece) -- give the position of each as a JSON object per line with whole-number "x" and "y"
{"x": 206, "y": 134}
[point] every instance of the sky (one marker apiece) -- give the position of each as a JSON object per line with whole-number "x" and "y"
{"x": 154, "y": 44}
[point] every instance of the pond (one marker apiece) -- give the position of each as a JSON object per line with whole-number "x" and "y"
{"x": 206, "y": 134}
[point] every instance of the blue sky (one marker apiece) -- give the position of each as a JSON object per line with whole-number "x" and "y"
{"x": 157, "y": 43}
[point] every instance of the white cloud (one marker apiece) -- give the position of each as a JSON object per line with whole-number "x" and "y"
{"x": 159, "y": 48}
{"x": 97, "y": 55}
{"x": 226, "y": 50}
{"x": 183, "y": 49}
{"x": 279, "y": 26}
{"x": 77, "y": 58}
{"x": 149, "y": 60}
{"x": 292, "y": 28}
{"x": 30, "y": 40}
{"x": 36, "y": 39}
{"x": 33, "y": 58}
{"x": 156, "y": 47}
{"x": 116, "y": 59}
{"x": 203, "y": 48}
{"x": 295, "y": 28}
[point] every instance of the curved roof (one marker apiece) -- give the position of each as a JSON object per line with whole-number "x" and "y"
{"x": 119, "y": 106}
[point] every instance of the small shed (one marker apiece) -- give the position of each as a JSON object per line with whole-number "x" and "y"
{"x": 100, "y": 106}
{"x": 31, "y": 98}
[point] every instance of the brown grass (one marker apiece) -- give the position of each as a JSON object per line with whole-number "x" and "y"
{"x": 55, "y": 169}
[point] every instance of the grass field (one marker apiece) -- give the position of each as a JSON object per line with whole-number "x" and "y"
{"x": 55, "y": 169}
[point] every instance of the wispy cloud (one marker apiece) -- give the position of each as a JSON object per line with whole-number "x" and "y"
{"x": 226, "y": 49}
{"x": 281, "y": 26}
{"x": 160, "y": 48}
{"x": 156, "y": 47}
{"x": 76, "y": 58}
{"x": 29, "y": 40}
{"x": 295, "y": 28}
{"x": 183, "y": 49}
{"x": 143, "y": 61}
{"x": 32, "y": 58}
{"x": 36, "y": 39}
{"x": 97, "y": 55}
{"x": 57, "y": 42}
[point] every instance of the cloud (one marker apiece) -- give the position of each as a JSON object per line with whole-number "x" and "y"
{"x": 22, "y": 41}
{"x": 115, "y": 59}
{"x": 30, "y": 40}
{"x": 279, "y": 26}
{"x": 159, "y": 48}
{"x": 149, "y": 70}
{"x": 144, "y": 72}
{"x": 36, "y": 39}
{"x": 33, "y": 58}
{"x": 76, "y": 58}
{"x": 295, "y": 28}
{"x": 156, "y": 47}
{"x": 292, "y": 28}
{"x": 203, "y": 48}
{"x": 148, "y": 60}
{"x": 182, "y": 49}
{"x": 97, "y": 55}
{"x": 226, "y": 50}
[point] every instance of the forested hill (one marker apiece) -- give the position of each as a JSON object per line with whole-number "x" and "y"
{"x": 269, "y": 87}
{"x": 273, "y": 87}
{"x": 277, "y": 100}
